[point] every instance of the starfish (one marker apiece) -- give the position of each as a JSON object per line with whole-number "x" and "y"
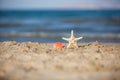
{"x": 72, "y": 40}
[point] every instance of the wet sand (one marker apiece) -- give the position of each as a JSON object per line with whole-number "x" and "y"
{"x": 39, "y": 61}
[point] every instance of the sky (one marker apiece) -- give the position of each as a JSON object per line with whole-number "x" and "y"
{"x": 59, "y": 4}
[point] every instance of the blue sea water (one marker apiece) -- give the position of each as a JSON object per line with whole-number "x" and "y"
{"x": 52, "y": 25}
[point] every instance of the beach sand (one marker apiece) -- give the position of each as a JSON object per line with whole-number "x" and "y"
{"x": 39, "y": 61}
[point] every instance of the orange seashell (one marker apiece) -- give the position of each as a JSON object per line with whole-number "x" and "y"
{"x": 58, "y": 46}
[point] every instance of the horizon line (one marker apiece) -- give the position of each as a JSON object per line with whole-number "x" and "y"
{"x": 64, "y": 9}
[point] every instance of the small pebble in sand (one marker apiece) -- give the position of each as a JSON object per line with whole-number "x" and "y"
{"x": 58, "y": 46}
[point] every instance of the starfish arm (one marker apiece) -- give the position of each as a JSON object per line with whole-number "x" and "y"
{"x": 68, "y": 46}
{"x": 67, "y": 39}
{"x": 75, "y": 45}
{"x": 76, "y": 39}
{"x": 72, "y": 33}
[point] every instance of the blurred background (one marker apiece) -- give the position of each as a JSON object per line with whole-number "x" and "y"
{"x": 49, "y": 20}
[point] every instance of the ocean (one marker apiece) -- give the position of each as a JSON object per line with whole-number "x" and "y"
{"x": 49, "y": 26}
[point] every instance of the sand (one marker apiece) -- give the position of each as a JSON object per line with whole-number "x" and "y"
{"x": 39, "y": 61}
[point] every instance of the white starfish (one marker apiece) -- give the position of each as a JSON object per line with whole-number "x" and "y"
{"x": 72, "y": 40}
